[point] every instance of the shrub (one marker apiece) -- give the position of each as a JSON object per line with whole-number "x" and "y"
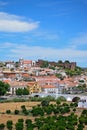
{"x": 21, "y": 120}
{"x": 45, "y": 103}
{"x": 75, "y": 99}
{"x": 9, "y": 124}
{"x": 19, "y": 126}
{"x": 25, "y": 112}
{"x": 29, "y": 125}
{"x": 16, "y": 112}
{"x": 23, "y": 107}
{"x": 61, "y": 98}
{"x": 8, "y": 111}
{"x": 2, "y": 126}
{"x": 58, "y": 102}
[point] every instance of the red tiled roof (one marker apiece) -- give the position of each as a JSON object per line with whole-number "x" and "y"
{"x": 31, "y": 83}
{"x": 6, "y": 81}
{"x": 25, "y": 75}
{"x": 27, "y": 62}
{"x": 48, "y": 86}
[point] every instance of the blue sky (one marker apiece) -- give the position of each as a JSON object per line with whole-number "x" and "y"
{"x": 44, "y": 29}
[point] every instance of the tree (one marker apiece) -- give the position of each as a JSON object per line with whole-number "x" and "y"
{"x": 58, "y": 75}
{"x": 19, "y": 91}
{"x": 4, "y": 87}
{"x": 23, "y": 107}
{"x": 48, "y": 110}
{"x": 67, "y": 61}
{"x": 29, "y": 124}
{"x": 21, "y": 120}
{"x": 36, "y": 111}
{"x": 58, "y": 102}
{"x": 16, "y": 64}
{"x": 80, "y": 127}
{"x": 19, "y": 126}
{"x": 75, "y": 99}
{"x": 2, "y": 126}
{"x": 45, "y": 103}
{"x": 8, "y": 111}
{"x": 9, "y": 124}
{"x": 60, "y": 62}
{"x": 74, "y": 109}
{"x": 25, "y": 91}
{"x": 16, "y": 112}
{"x": 24, "y": 110}
{"x": 61, "y": 128}
{"x": 45, "y": 64}
{"x": 61, "y": 98}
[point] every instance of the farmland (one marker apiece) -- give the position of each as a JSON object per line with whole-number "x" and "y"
{"x": 43, "y": 113}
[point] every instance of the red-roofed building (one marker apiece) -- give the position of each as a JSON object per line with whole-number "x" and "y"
{"x": 25, "y": 64}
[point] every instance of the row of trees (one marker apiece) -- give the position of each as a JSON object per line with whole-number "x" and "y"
{"x": 20, "y": 125}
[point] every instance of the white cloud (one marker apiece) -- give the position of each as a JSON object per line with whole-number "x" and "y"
{"x": 46, "y": 35}
{"x": 13, "y": 23}
{"x": 6, "y": 16}
{"x": 48, "y": 52}
{"x": 7, "y": 45}
{"x": 79, "y": 40}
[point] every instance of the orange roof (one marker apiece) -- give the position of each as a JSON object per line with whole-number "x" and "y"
{"x": 48, "y": 86}
{"x": 27, "y": 62}
{"x": 18, "y": 83}
{"x": 6, "y": 81}
{"x": 25, "y": 75}
{"x": 31, "y": 83}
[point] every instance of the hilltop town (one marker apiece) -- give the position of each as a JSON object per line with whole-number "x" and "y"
{"x": 43, "y": 76}
{"x": 38, "y": 95}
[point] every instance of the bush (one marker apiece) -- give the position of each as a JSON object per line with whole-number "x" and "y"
{"x": 16, "y": 112}
{"x": 37, "y": 111}
{"x": 19, "y": 100}
{"x": 25, "y": 112}
{"x": 75, "y": 99}
{"x": 19, "y": 126}
{"x": 23, "y": 107}
{"x": 2, "y": 126}
{"x": 80, "y": 127}
{"x": 58, "y": 102}
{"x": 61, "y": 98}
{"x": 74, "y": 109}
{"x": 9, "y": 124}
{"x": 29, "y": 124}
{"x": 21, "y": 120}
{"x": 45, "y": 103}
{"x": 8, "y": 111}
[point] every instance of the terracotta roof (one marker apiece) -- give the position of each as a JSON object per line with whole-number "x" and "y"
{"x": 25, "y": 75}
{"x": 17, "y": 83}
{"x": 48, "y": 86}
{"x": 27, "y": 61}
{"x": 31, "y": 83}
{"x": 6, "y": 81}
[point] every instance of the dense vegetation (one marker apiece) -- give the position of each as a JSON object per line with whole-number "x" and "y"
{"x": 21, "y": 91}
{"x": 4, "y": 87}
